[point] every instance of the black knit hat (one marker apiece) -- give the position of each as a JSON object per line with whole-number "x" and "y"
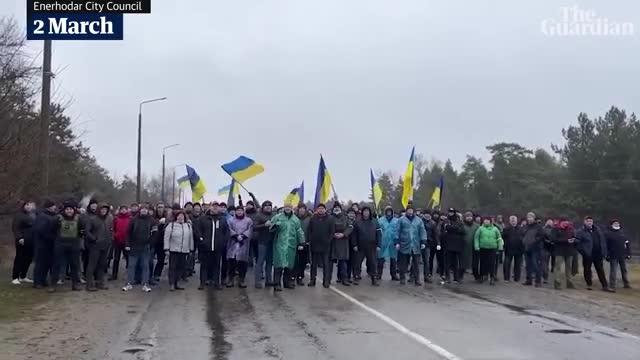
{"x": 48, "y": 203}
{"x": 321, "y": 205}
{"x": 337, "y": 204}
{"x": 69, "y": 204}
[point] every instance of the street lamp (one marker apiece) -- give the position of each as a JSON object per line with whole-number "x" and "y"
{"x": 163, "y": 169}
{"x": 139, "y": 177}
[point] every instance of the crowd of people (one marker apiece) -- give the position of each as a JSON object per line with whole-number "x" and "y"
{"x": 85, "y": 245}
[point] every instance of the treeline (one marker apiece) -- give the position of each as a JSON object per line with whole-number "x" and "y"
{"x": 73, "y": 171}
{"x": 595, "y": 172}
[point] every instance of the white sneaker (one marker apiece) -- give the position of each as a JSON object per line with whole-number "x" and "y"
{"x": 27, "y": 280}
{"x": 15, "y": 281}
{"x": 83, "y": 281}
{"x": 146, "y": 288}
{"x": 60, "y": 282}
{"x": 127, "y": 287}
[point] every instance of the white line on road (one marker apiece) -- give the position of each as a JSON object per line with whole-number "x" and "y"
{"x": 401, "y": 328}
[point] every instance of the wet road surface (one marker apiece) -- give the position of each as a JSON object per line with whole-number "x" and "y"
{"x": 391, "y": 322}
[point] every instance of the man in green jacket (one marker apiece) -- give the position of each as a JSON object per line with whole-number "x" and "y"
{"x": 288, "y": 237}
{"x": 488, "y": 241}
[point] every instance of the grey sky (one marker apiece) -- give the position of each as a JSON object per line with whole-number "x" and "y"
{"x": 360, "y": 81}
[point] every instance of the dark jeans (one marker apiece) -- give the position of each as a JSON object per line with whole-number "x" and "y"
{"x": 139, "y": 259}
{"x": 343, "y": 269}
{"x": 97, "y": 265}
{"x": 160, "y": 256}
{"x": 393, "y": 268}
{"x": 210, "y": 262}
{"x": 283, "y": 276}
{"x": 264, "y": 264}
{"x": 613, "y": 270}
{"x": 118, "y": 251}
{"x": 546, "y": 262}
{"x": 587, "y": 262}
{"x": 426, "y": 260}
{"x": 439, "y": 256}
{"x": 516, "y": 260}
{"x": 22, "y": 261}
{"x": 321, "y": 259}
{"x": 372, "y": 266}
{"x": 454, "y": 260}
{"x": 475, "y": 264}
{"x": 177, "y": 266}
{"x": 487, "y": 262}
{"x": 302, "y": 259}
{"x": 66, "y": 254}
{"x": 237, "y": 266}
{"x": 403, "y": 264}
{"x": 84, "y": 255}
{"x": 534, "y": 271}
{"x": 44, "y": 265}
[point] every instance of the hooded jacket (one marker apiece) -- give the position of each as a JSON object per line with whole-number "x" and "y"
{"x": 212, "y": 232}
{"x": 453, "y": 235}
{"x": 488, "y": 237}
{"x": 288, "y": 235}
{"x": 320, "y": 233}
{"x": 23, "y": 227}
{"x": 617, "y": 243}
{"x": 45, "y": 229}
{"x": 367, "y": 233}
{"x": 411, "y": 235}
{"x": 142, "y": 229}
{"x": 533, "y": 237}
{"x": 561, "y": 234}
{"x": 341, "y": 247}
{"x": 240, "y": 230}
{"x": 389, "y": 231}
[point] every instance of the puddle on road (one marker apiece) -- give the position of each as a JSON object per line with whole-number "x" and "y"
{"x": 563, "y": 331}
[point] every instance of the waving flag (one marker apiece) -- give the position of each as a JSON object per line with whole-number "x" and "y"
{"x": 183, "y": 182}
{"x": 198, "y": 189}
{"x": 324, "y": 185}
{"x": 436, "y": 197}
{"x": 295, "y": 196}
{"x": 226, "y": 189}
{"x": 376, "y": 190}
{"x": 407, "y": 185}
{"x": 242, "y": 169}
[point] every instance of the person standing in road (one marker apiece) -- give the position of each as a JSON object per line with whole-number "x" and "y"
{"x": 263, "y": 270}
{"x": 533, "y": 240}
{"x": 411, "y": 239}
{"x": 488, "y": 241}
{"x": 44, "y": 239}
{"x": 120, "y": 227}
{"x": 431, "y": 248}
{"x": 67, "y": 246}
{"x": 619, "y": 251}
{"x": 513, "y": 249}
{"x": 240, "y": 228}
{"x": 302, "y": 256}
{"x": 565, "y": 250}
{"x": 368, "y": 240}
{"x": 470, "y": 228}
{"x": 23, "y": 234}
{"x": 319, "y": 236}
{"x": 548, "y": 258}
{"x": 341, "y": 243}
{"x": 288, "y": 239}
{"x": 592, "y": 245}
{"x": 454, "y": 233}
{"x": 178, "y": 241}
{"x": 160, "y": 219}
{"x": 99, "y": 236}
{"x": 138, "y": 243}
{"x": 352, "y": 215}
{"x": 212, "y": 233}
{"x": 198, "y": 212}
{"x": 388, "y": 253}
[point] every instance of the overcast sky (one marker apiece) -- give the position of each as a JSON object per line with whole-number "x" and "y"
{"x": 359, "y": 81}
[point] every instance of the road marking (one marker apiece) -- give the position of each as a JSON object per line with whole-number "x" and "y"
{"x": 401, "y": 328}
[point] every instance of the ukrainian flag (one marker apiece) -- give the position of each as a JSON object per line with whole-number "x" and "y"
{"x": 183, "y": 182}
{"x": 295, "y": 196}
{"x": 242, "y": 169}
{"x": 324, "y": 185}
{"x": 436, "y": 197}
{"x": 407, "y": 185}
{"x": 226, "y": 189}
{"x": 376, "y": 190}
{"x": 198, "y": 189}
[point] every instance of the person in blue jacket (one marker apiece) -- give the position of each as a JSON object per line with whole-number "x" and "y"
{"x": 410, "y": 241}
{"x": 388, "y": 253}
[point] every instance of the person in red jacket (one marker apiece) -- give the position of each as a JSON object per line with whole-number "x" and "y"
{"x": 120, "y": 226}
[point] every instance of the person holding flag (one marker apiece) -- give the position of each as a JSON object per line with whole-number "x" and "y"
{"x": 288, "y": 238}
{"x": 407, "y": 185}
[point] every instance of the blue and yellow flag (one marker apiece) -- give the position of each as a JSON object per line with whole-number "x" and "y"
{"x": 436, "y": 197}
{"x": 242, "y": 169}
{"x": 183, "y": 182}
{"x": 225, "y": 189}
{"x": 324, "y": 185}
{"x": 407, "y": 185}
{"x": 198, "y": 189}
{"x": 376, "y": 191}
{"x": 296, "y": 196}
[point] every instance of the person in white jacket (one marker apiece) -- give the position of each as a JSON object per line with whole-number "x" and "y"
{"x": 178, "y": 241}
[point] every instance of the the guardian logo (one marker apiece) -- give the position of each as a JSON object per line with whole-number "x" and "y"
{"x": 584, "y": 22}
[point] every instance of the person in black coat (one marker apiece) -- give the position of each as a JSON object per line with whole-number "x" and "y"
{"x": 23, "y": 234}
{"x": 592, "y": 245}
{"x": 619, "y": 250}
{"x": 212, "y": 234}
{"x": 368, "y": 238}
{"x": 44, "y": 231}
{"x": 453, "y": 237}
{"x": 513, "y": 249}
{"x": 319, "y": 236}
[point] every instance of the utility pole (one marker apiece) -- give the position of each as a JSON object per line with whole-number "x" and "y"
{"x": 45, "y": 110}
{"x": 139, "y": 175}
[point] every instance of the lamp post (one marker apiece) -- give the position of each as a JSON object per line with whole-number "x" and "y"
{"x": 139, "y": 176}
{"x": 164, "y": 149}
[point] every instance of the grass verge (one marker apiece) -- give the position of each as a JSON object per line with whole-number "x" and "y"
{"x": 18, "y": 301}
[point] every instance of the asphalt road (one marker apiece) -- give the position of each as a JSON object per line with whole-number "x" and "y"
{"x": 390, "y": 322}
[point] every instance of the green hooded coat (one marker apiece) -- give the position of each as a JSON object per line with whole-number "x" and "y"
{"x": 288, "y": 235}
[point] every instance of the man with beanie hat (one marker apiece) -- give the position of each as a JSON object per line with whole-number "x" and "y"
{"x": 368, "y": 240}
{"x": 141, "y": 230}
{"x": 319, "y": 235}
{"x": 388, "y": 253}
{"x": 592, "y": 245}
{"x": 85, "y": 219}
{"x": 120, "y": 228}
{"x": 240, "y": 229}
{"x": 410, "y": 241}
{"x": 341, "y": 243}
{"x": 454, "y": 233}
{"x": 44, "y": 231}
{"x": 67, "y": 246}
{"x": 212, "y": 235}
{"x": 99, "y": 236}
{"x": 470, "y": 228}
{"x": 264, "y": 244}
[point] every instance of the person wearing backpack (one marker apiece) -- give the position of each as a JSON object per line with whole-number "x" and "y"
{"x": 67, "y": 246}
{"x": 178, "y": 241}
